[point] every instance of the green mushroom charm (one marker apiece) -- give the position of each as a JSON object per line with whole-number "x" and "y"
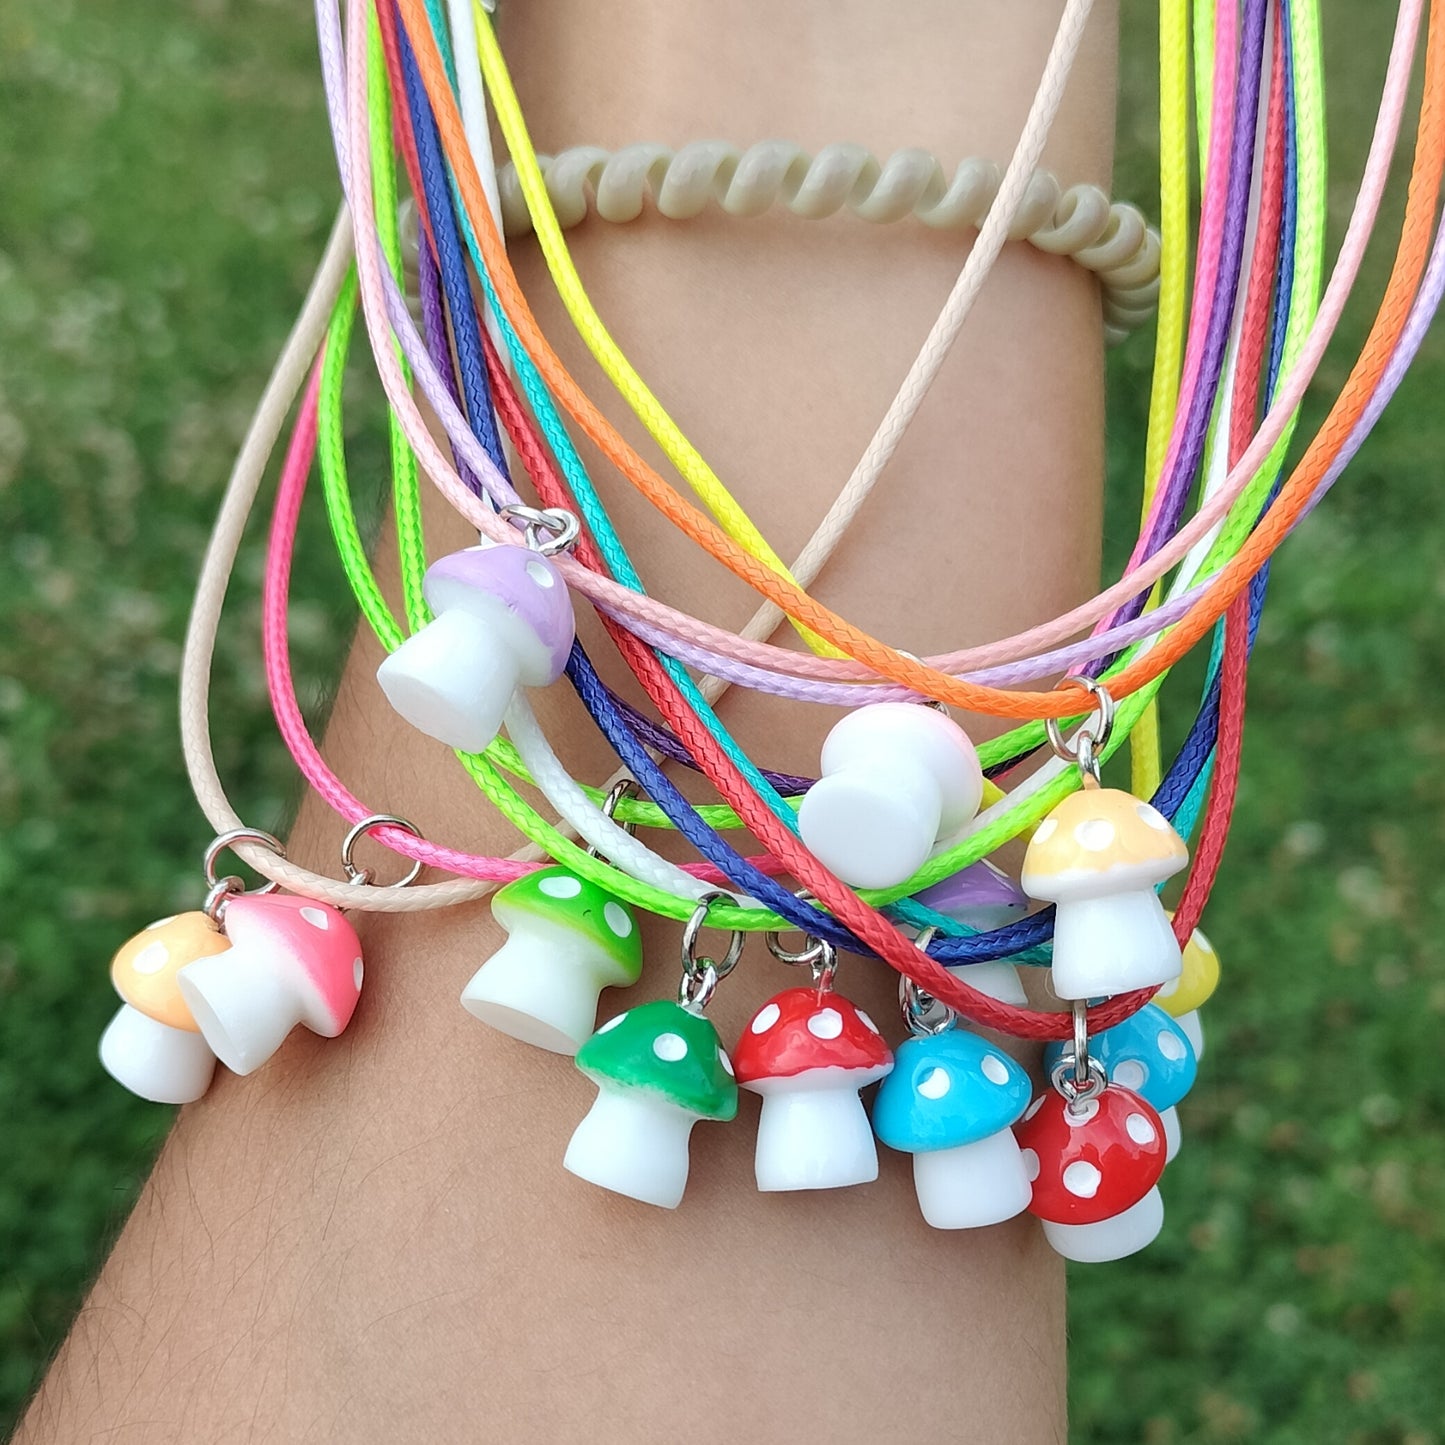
{"x": 568, "y": 940}
{"x": 659, "y": 1068}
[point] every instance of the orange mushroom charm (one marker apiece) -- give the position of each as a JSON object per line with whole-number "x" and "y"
{"x": 153, "y": 1045}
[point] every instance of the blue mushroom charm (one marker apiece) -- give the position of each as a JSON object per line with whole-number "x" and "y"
{"x": 951, "y": 1102}
{"x": 1151, "y": 1055}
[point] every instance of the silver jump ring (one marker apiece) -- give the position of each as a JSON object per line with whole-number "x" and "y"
{"x": 548, "y": 530}
{"x": 362, "y": 876}
{"x": 622, "y": 788}
{"x": 695, "y": 991}
{"x": 692, "y": 965}
{"x": 219, "y": 845}
{"x": 1081, "y": 1042}
{"x": 923, "y": 1015}
{"x": 1075, "y": 1094}
{"x": 1093, "y": 734}
{"x": 810, "y": 952}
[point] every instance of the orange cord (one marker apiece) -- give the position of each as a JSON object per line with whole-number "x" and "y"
{"x": 1429, "y": 165}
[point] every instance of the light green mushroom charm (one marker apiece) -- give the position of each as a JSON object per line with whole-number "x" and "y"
{"x": 568, "y": 940}
{"x": 658, "y": 1069}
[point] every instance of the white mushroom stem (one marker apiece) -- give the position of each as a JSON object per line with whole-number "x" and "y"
{"x": 1113, "y": 944}
{"x": 453, "y": 680}
{"x": 155, "y": 1061}
{"x": 244, "y": 1007}
{"x": 541, "y": 988}
{"x": 972, "y": 1185}
{"x": 813, "y": 1138}
{"x": 996, "y": 977}
{"x": 1170, "y": 1119}
{"x": 635, "y": 1143}
{"x": 1193, "y": 1030}
{"x": 1115, "y": 1238}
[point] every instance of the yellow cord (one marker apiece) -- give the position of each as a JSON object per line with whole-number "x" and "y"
{"x": 1145, "y": 755}
{"x": 681, "y": 452}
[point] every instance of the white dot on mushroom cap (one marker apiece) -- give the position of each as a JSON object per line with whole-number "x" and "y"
{"x": 669, "y": 1047}
{"x": 1169, "y": 989}
{"x": 1035, "y": 1106}
{"x": 827, "y": 1023}
{"x": 357, "y": 969}
{"x": 151, "y": 959}
{"x": 1030, "y": 1163}
{"x": 542, "y": 576}
{"x": 611, "y": 1024}
{"x": 935, "y": 1084}
{"x": 1139, "y": 1129}
{"x": 1197, "y": 939}
{"x": 1130, "y": 1074}
{"x": 1082, "y": 1179}
{"x": 160, "y": 923}
{"x": 560, "y": 885}
{"x": 619, "y": 920}
{"x": 1153, "y": 817}
{"x": 1171, "y": 1045}
{"x": 727, "y": 1063}
{"x": 316, "y": 918}
{"x": 768, "y": 1015}
{"x": 994, "y": 1069}
{"x": 1095, "y": 834}
{"x": 1077, "y": 1115}
{"x": 1046, "y": 830}
{"x": 867, "y": 1022}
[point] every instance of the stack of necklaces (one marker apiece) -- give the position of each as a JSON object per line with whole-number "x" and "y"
{"x": 887, "y": 857}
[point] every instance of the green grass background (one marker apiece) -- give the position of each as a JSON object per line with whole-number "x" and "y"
{"x": 165, "y": 184}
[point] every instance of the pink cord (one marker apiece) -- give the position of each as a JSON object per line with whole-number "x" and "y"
{"x": 782, "y": 662}
{"x": 276, "y": 650}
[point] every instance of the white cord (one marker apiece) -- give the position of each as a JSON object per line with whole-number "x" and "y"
{"x": 612, "y": 841}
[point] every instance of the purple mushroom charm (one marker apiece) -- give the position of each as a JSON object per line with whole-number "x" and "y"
{"x": 503, "y": 621}
{"x": 984, "y": 897}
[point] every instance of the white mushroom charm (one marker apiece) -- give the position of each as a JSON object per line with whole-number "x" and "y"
{"x": 1098, "y": 856}
{"x": 569, "y": 939}
{"x": 896, "y": 778}
{"x": 808, "y": 1052}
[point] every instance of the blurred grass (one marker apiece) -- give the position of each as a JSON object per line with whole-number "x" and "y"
{"x": 167, "y": 183}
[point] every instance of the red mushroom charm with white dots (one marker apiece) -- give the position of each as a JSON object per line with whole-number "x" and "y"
{"x": 1095, "y": 1165}
{"x": 808, "y": 1052}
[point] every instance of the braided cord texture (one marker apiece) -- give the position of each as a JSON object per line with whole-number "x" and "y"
{"x": 1111, "y": 239}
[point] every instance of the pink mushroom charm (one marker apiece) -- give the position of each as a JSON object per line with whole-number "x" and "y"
{"x": 291, "y": 961}
{"x": 1095, "y": 1164}
{"x": 808, "y": 1053}
{"x": 503, "y": 621}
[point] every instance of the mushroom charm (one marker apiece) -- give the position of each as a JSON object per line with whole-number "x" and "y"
{"x": 503, "y": 620}
{"x": 896, "y": 777}
{"x": 1149, "y": 1054}
{"x": 1195, "y": 986}
{"x": 951, "y": 1101}
{"x": 568, "y": 940}
{"x": 808, "y": 1052}
{"x": 1095, "y": 1164}
{"x": 985, "y": 898}
{"x": 659, "y": 1068}
{"x": 152, "y": 1045}
{"x": 1099, "y": 855}
{"x": 291, "y": 961}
